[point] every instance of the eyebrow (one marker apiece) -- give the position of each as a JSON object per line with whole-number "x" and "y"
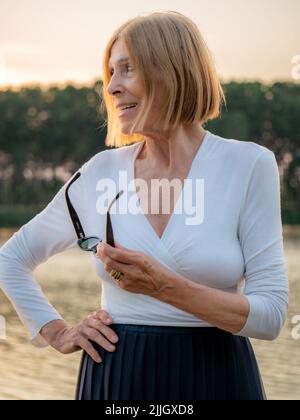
{"x": 121, "y": 60}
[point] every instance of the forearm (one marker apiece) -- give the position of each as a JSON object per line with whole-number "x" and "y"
{"x": 223, "y": 310}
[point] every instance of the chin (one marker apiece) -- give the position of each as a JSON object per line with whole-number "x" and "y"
{"x": 126, "y": 126}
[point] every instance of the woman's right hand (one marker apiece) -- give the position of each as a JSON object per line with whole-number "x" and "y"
{"x": 66, "y": 339}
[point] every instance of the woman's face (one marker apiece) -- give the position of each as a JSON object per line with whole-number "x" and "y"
{"x": 126, "y": 88}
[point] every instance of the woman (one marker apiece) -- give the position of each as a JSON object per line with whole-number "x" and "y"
{"x": 183, "y": 294}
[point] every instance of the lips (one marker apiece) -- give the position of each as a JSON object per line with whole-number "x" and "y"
{"x": 127, "y": 111}
{"x": 128, "y": 105}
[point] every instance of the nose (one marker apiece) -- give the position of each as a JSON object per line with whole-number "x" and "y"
{"x": 114, "y": 86}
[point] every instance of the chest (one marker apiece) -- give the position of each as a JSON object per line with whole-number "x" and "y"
{"x": 157, "y": 196}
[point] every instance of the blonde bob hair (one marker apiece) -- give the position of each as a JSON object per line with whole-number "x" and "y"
{"x": 167, "y": 50}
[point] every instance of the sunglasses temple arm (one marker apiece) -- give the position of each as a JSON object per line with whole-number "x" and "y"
{"x": 109, "y": 230}
{"x": 72, "y": 212}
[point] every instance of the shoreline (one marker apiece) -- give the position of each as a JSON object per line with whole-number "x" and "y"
{"x": 289, "y": 232}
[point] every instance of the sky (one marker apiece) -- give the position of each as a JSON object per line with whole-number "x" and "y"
{"x": 55, "y": 42}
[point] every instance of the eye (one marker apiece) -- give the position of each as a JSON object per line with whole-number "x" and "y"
{"x": 129, "y": 67}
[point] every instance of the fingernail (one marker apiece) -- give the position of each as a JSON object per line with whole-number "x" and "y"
{"x": 114, "y": 338}
{"x": 108, "y": 319}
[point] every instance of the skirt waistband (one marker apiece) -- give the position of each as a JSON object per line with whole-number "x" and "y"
{"x": 167, "y": 329}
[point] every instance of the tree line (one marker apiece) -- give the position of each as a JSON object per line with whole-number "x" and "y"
{"x": 47, "y": 134}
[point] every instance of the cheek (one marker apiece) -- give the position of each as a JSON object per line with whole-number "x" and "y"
{"x": 135, "y": 86}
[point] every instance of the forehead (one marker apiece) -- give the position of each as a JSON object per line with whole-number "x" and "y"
{"x": 119, "y": 53}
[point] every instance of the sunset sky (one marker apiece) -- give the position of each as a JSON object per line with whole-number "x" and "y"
{"x": 59, "y": 41}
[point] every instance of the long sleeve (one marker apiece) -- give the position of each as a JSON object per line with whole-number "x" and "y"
{"x": 260, "y": 235}
{"x": 48, "y": 233}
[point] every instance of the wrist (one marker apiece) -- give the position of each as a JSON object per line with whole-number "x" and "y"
{"x": 174, "y": 288}
{"x": 168, "y": 283}
{"x": 52, "y": 330}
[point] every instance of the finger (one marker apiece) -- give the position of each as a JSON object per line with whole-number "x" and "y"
{"x": 117, "y": 245}
{"x": 117, "y": 266}
{"x": 121, "y": 255}
{"x": 94, "y": 335}
{"x": 111, "y": 263}
{"x": 90, "y": 350}
{"x": 103, "y": 316}
{"x": 106, "y": 331}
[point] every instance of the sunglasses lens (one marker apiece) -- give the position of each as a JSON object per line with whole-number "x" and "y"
{"x": 89, "y": 244}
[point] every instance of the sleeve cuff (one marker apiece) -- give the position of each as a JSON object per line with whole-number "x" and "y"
{"x": 259, "y": 324}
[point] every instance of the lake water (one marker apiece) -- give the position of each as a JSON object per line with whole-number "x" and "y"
{"x": 70, "y": 283}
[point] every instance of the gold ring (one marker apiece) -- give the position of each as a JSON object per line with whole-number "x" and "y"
{"x": 116, "y": 275}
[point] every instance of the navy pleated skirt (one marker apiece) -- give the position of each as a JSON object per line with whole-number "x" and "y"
{"x": 172, "y": 363}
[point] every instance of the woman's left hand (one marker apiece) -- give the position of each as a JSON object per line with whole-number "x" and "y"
{"x": 141, "y": 273}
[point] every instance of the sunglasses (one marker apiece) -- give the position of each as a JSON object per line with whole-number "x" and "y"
{"x": 89, "y": 243}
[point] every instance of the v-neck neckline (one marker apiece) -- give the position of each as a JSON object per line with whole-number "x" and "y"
{"x": 199, "y": 153}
